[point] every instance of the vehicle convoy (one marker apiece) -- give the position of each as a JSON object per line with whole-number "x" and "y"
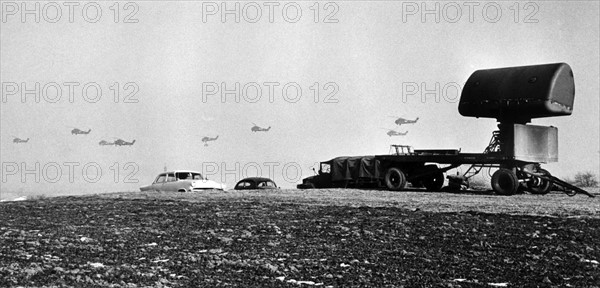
{"x": 513, "y": 96}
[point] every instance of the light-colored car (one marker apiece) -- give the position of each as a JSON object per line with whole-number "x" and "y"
{"x": 182, "y": 181}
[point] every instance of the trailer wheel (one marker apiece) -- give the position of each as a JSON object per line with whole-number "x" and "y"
{"x": 434, "y": 182}
{"x": 539, "y": 185}
{"x": 395, "y": 179}
{"x": 505, "y": 182}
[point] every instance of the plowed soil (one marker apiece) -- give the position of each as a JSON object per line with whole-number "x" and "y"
{"x": 290, "y": 238}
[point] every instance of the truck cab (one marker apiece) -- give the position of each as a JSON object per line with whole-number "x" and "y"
{"x": 322, "y": 179}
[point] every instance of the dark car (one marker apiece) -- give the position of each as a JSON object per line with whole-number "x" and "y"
{"x": 255, "y": 183}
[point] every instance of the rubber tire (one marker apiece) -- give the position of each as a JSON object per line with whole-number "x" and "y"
{"x": 505, "y": 182}
{"x": 395, "y": 179}
{"x": 434, "y": 182}
{"x": 544, "y": 188}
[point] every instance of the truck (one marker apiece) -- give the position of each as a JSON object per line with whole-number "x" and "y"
{"x": 512, "y": 95}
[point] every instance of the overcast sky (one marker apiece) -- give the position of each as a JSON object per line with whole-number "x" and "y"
{"x": 173, "y": 59}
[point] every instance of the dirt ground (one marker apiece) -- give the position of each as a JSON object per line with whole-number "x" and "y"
{"x": 301, "y": 238}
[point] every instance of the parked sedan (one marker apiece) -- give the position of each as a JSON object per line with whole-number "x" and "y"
{"x": 255, "y": 183}
{"x": 182, "y": 181}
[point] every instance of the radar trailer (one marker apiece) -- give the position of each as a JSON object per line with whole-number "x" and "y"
{"x": 513, "y": 96}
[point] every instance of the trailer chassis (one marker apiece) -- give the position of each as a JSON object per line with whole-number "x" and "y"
{"x": 512, "y": 176}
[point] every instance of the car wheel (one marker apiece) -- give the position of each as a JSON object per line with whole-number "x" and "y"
{"x": 395, "y": 179}
{"x": 434, "y": 182}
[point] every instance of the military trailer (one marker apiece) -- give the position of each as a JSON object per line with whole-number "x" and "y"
{"x": 513, "y": 96}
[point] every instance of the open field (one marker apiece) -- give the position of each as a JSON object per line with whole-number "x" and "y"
{"x": 554, "y": 204}
{"x": 336, "y": 238}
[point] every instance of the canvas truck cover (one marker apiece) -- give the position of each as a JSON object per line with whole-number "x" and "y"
{"x": 353, "y": 168}
{"x": 518, "y": 94}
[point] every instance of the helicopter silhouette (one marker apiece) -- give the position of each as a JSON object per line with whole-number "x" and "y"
{"x": 77, "y": 131}
{"x": 256, "y": 128}
{"x": 121, "y": 142}
{"x": 106, "y": 143}
{"x": 19, "y": 140}
{"x": 206, "y": 139}
{"x": 401, "y": 121}
{"x": 392, "y": 132}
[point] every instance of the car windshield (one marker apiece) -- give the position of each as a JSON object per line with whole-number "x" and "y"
{"x": 160, "y": 178}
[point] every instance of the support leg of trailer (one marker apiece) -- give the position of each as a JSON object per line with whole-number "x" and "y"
{"x": 569, "y": 189}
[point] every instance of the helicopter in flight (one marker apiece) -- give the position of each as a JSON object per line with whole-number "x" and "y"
{"x": 19, "y": 140}
{"x": 257, "y": 128}
{"x": 106, "y": 143}
{"x": 77, "y": 131}
{"x": 392, "y": 132}
{"x": 401, "y": 121}
{"x": 121, "y": 142}
{"x": 206, "y": 139}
